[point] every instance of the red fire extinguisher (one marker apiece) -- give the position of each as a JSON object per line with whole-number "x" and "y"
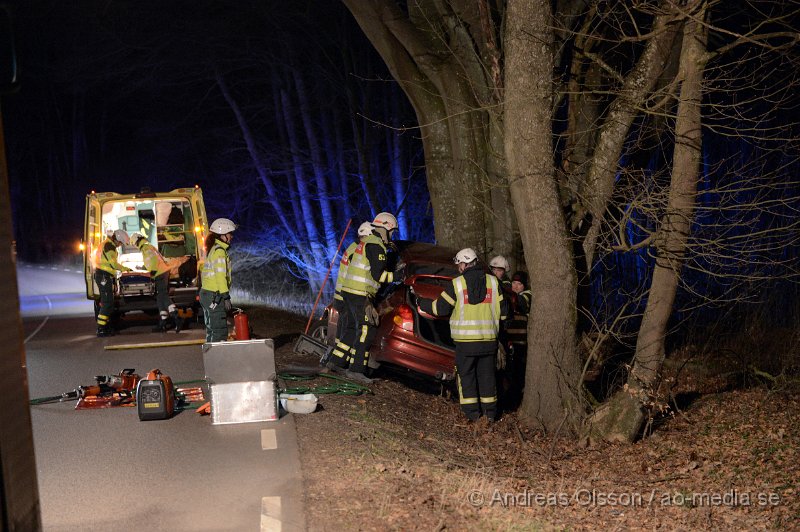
{"x": 241, "y": 326}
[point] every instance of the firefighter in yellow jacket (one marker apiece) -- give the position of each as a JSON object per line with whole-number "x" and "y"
{"x": 215, "y": 297}
{"x": 343, "y": 323}
{"x": 474, "y": 300}
{"x": 159, "y": 271}
{"x": 366, "y": 272}
{"x": 106, "y": 268}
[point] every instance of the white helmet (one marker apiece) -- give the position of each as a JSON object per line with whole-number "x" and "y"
{"x": 222, "y": 226}
{"x": 135, "y": 237}
{"x": 499, "y": 262}
{"x": 365, "y": 229}
{"x": 465, "y": 256}
{"x": 385, "y": 220}
{"x": 122, "y": 236}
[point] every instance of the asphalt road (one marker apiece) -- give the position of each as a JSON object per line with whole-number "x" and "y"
{"x": 105, "y": 469}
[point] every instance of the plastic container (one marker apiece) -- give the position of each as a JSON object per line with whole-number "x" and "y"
{"x": 299, "y": 403}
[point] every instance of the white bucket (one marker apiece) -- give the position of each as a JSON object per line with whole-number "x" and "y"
{"x": 299, "y": 403}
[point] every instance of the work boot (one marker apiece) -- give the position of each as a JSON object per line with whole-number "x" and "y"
{"x": 103, "y": 332}
{"x": 178, "y": 321}
{"x": 358, "y": 377}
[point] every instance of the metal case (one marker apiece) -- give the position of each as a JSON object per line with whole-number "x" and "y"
{"x": 241, "y": 378}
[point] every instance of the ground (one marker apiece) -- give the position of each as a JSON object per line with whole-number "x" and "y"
{"x": 403, "y": 458}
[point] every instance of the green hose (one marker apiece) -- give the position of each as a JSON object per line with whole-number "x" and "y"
{"x": 341, "y": 387}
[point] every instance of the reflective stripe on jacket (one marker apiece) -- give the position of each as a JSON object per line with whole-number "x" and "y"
{"x": 358, "y": 278}
{"x": 216, "y": 274}
{"x": 475, "y": 323}
{"x": 343, "y": 264}
{"x": 107, "y": 258}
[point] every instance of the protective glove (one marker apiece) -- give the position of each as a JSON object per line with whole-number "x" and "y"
{"x": 226, "y": 300}
{"x": 400, "y": 272}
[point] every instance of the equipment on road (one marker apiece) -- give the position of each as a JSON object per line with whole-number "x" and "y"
{"x": 241, "y": 325}
{"x": 155, "y": 396}
{"x": 147, "y": 345}
{"x": 108, "y": 390}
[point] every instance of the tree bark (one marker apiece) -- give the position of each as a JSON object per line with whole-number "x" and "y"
{"x": 553, "y": 370}
{"x": 637, "y": 86}
{"x": 622, "y": 417}
{"x": 431, "y": 53}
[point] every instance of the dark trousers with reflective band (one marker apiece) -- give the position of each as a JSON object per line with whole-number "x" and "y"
{"x": 105, "y": 284}
{"x": 341, "y": 350}
{"x": 477, "y": 388}
{"x": 162, "y": 294}
{"x": 215, "y": 318}
{"x": 359, "y": 334}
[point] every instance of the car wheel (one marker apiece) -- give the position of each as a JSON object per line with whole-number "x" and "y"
{"x": 319, "y": 332}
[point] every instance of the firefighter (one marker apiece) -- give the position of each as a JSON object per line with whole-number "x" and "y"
{"x": 519, "y": 285}
{"x": 215, "y": 297}
{"x": 499, "y": 266}
{"x": 159, "y": 271}
{"x": 512, "y": 378}
{"x": 105, "y": 272}
{"x": 366, "y": 271}
{"x": 364, "y": 230}
{"x": 475, "y": 303}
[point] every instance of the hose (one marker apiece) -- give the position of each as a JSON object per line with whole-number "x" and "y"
{"x": 342, "y": 386}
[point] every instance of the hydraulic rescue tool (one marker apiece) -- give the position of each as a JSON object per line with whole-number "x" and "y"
{"x": 119, "y": 386}
{"x": 155, "y": 396}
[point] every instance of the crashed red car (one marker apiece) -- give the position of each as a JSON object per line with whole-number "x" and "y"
{"x": 406, "y": 337}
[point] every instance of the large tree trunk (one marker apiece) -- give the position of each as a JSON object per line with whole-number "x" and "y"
{"x": 622, "y": 417}
{"x": 553, "y": 371}
{"x": 430, "y": 52}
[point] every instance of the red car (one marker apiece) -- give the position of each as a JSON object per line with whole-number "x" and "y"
{"x": 406, "y": 337}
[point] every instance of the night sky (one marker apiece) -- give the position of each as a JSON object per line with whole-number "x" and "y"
{"x": 119, "y": 95}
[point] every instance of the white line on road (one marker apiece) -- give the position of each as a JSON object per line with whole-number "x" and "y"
{"x": 268, "y": 439}
{"x": 270, "y": 514}
{"x": 39, "y": 328}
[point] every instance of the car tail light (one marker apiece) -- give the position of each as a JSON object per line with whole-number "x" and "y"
{"x": 404, "y": 317}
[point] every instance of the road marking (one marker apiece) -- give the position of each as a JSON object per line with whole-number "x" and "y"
{"x": 268, "y": 439}
{"x": 39, "y": 328}
{"x": 270, "y": 514}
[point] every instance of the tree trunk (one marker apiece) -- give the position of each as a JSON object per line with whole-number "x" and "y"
{"x": 323, "y": 195}
{"x": 252, "y": 150}
{"x": 637, "y": 86}
{"x": 553, "y": 370}
{"x": 622, "y": 417}
{"x": 442, "y": 81}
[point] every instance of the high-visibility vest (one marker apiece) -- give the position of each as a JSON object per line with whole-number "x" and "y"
{"x": 475, "y": 323}
{"x": 358, "y": 279}
{"x": 106, "y": 257}
{"x": 153, "y": 260}
{"x": 343, "y": 264}
{"x": 216, "y": 274}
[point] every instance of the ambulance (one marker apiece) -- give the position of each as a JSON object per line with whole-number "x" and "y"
{"x": 174, "y": 222}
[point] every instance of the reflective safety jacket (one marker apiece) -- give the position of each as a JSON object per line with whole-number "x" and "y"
{"x": 153, "y": 260}
{"x": 476, "y": 306}
{"x": 343, "y": 264}
{"x": 216, "y": 273}
{"x": 367, "y": 268}
{"x": 106, "y": 258}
